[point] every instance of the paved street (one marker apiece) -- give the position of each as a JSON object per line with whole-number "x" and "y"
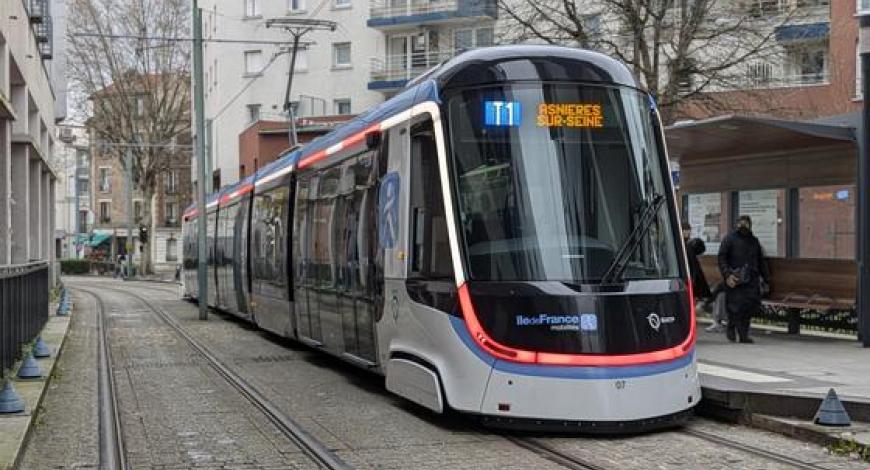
{"x": 177, "y": 412}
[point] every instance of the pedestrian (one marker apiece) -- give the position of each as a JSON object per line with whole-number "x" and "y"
{"x": 695, "y": 248}
{"x": 716, "y": 305}
{"x": 742, "y": 264}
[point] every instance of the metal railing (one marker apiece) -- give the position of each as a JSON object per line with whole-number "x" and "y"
{"x": 784, "y": 81}
{"x": 406, "y": 66}
{"x": 393, "y": 8}
{"x": 23, "y": 308}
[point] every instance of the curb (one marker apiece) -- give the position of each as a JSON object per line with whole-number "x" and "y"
{"x": 788, "y": 415}
{"x": 17, "y": 427}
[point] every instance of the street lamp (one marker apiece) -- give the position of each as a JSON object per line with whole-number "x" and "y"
{"x": 863, "y": 211}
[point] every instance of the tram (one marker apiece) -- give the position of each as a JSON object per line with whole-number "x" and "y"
{"x": 500, "y": 239}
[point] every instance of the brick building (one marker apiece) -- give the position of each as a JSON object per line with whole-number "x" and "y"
{"x": 171, "y": 189}
{"x": 263, "y": 141}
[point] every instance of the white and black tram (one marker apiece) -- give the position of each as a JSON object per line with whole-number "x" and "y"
{"x": 500, "y": 238}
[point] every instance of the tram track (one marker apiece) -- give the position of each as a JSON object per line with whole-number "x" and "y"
{"x": 547, "y": 451}
{"x": 309, "y": 445}
{"x": 749, "y": 449}
{"x": 554, "y": 455}
{"x": 111, "y": 438}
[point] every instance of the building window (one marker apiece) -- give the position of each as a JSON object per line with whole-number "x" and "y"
{"x": 707, "y": 215}
{"x": 342, "y": 106}
{"x": 341, "y": 3}
{"x": 252, "y": 8}
{"x": 171, "y": 249}
{"x": 105, "y": 212}
{"x": 296, "y": 5}
{"x": 464, "y": 39}
{"x": 827, "y": 222}
{"x": 253, "y": 62}
{"x": 170, "y": 182}
{"x": 341, "y": 55}
{"x": 766, "y": 207}
{"x": 137, "y": 211}
{"x": 301, "y": 64}
{"x": 253, "y": 112}
{"x": 140, "y": 106}
{"x": 170, "y": 214}
{"x": 83, "y": 222}
{"x": 105, "y": 179}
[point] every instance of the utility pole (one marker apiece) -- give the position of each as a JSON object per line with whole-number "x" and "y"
{"x": 199, "y": 109}
{"x": 296, "y": 27}
{"x": 863, "y": 209}
{"x": 130, "y": 246}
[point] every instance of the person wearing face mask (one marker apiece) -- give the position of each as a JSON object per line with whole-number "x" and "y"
{"x": 741, "y": 262}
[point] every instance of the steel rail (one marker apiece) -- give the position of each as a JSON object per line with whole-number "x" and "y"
{"x": 564, "y": 459}
{"x": 112, "y": 454}
{"x": 750, "y": 449}
{"x": 312, "y": 447}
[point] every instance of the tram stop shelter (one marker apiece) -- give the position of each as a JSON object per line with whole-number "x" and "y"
{"x": 798, "y": 182}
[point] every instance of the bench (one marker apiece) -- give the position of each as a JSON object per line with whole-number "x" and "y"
{"x": 810, "y": 291}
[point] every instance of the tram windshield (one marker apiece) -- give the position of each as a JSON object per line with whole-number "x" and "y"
{"x": 555, "y": 180}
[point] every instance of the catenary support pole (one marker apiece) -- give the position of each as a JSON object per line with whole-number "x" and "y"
{"x": 863, "y": 210}
{"x": 130, "y": 247}
{"x": 199, "y": 109}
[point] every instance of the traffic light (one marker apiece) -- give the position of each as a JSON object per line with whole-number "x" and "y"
{"x": 143, "y": 234}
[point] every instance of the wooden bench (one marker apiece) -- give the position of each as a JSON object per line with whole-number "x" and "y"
{"x": 803, "y": 285}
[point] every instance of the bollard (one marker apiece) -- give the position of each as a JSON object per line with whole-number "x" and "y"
{"x": 10, "y": 400}
{"x": 29, "y": 368}
{"x": 832, "y": 412}
{"x": 40, "y": 349}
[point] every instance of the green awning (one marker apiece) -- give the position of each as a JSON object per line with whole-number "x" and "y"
{"x": 98, "y": 238}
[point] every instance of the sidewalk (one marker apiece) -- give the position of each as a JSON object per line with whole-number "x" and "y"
{"x": 15, "y": 427}
{"x": 779, "y": 382}
{"x": 778, "y": 363}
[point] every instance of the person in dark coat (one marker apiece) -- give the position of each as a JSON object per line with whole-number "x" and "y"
{"x": 741, "y": 262}
{"x": 695, "y": 248}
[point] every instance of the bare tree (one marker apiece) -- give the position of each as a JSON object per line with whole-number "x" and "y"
{"x": 129, "y": 64}
{"x": 682, "y": 49}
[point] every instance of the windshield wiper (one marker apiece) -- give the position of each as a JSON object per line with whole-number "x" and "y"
{"x": 620, "y": 261}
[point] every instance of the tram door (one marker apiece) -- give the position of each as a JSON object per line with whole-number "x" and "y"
{"x": 269, "y": 284}
{"x": 334, "y": 257}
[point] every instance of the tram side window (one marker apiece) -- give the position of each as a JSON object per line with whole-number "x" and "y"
{"x": 269, "y": 236}
{"x": 430, "y": 249}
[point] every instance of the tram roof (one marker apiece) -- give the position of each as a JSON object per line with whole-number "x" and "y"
{"x": 531, "y": 62}
{"x": 731, "y": 135}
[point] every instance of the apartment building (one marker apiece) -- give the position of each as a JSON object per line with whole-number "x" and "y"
{"x": 246, "y": 82}
{"x": 72, "y": 196}
{"x": 171, "y": 189}
{"x": 27, "y": 132}
{"x": 418, "y": 35}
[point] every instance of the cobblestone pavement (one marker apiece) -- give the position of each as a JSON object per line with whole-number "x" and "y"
{"x": 64, "y": 433}
{"x": 183, "y": 414}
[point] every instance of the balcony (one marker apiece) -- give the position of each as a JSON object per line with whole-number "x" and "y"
{"x": 43, "y": 30}
{"x": 393, "y": 71}
{"x": 788, "y": 81}
{"x": 390, "y": 14}
{"x": 38, "y": 10}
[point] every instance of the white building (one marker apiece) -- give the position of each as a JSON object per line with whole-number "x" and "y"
{"x": 72, "y": 193}
{"x": 418, "y": 35}
{"x": 27, "y": 132}
{"x": 247, "y": 82}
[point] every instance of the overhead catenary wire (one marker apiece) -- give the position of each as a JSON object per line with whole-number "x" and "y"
{"x": 177, "y": 39}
